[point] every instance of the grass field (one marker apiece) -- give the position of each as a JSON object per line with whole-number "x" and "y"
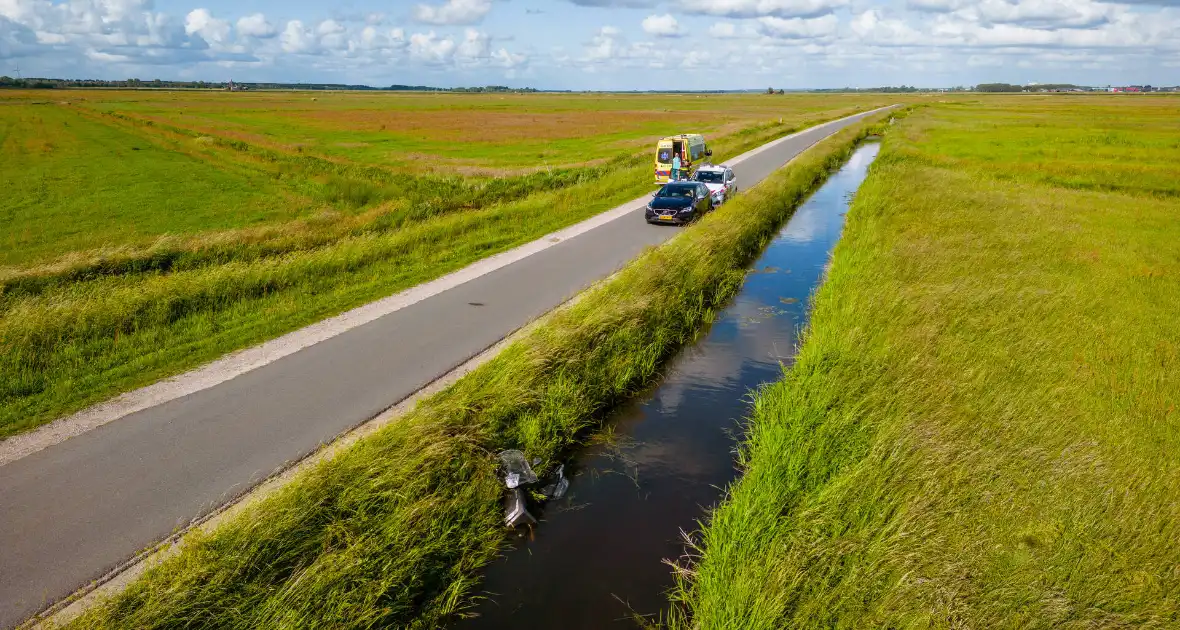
{"x": 981, "y": 428}
{"x": 393, "y": 531}
{"x": 150, "y": 232}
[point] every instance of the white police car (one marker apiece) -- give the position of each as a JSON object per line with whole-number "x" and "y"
{"x": 720, "y": 180}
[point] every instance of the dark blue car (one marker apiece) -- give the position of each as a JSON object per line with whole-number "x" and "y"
{"x": 678, "y": 203}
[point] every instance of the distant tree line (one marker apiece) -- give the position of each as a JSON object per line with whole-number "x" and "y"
{"x": 893, "y": 89}
{"x": 42, "y": 84}
{"x": 998, "y": 87}
{"x": 1008, "y": 87}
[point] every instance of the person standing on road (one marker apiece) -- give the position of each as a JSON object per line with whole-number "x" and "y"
{"x": 676, "y": 168}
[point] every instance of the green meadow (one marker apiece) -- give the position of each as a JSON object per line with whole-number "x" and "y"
{"x": 151, "y": 231}
{"x": 981, "y": 427}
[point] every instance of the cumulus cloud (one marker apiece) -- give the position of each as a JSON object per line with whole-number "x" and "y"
{"x": 120, "y": 37}
{"x": 632, "y": 4}
{"x": 1161, "y": 3}
{"x": 788, "y": 42}
{"x": 453, "y": 12}
{"x": 430, "y": 48}
{"x": 115, "y": 30}
{"x": 1044, "y": 13}
{"x": 762, "y": 8}
{"x": 799, "y": 28}
{"x": 873, "y": 27}
{"x": 474, "y": 50}
{"x": 375, "y": 39}
{"x": 506, "y": 59}
{"x": 475, "y": 45}
{"x": 16, "y": 40}
{"x": 935, "y": 6}
{"x": 298, "y": 39}
{"x": 661, "y": 26}
{"x": 605, "y": 44}
{"x": 332, "y": 35}
{"x": 1036, "y": 25}
{"x": 609, "y": 49}
{"x": 723, "y": 30}
{"x": 211, "y": 29}
{"x": 255, "y": 25}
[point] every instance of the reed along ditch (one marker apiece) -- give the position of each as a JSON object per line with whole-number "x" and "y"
{"x": 596, "y": 559}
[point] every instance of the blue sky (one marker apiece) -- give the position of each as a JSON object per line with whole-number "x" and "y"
{"x": 599, "y": 44}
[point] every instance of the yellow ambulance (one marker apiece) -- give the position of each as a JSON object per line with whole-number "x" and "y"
{"x": 692, "y": 151}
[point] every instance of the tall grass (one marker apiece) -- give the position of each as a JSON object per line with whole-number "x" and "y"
{"x": 981, "y": 427}
{"x": 91, "y": 326}
{"x": 393, "y": 531}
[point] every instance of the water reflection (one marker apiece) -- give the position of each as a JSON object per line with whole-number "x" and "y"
{"x": 596, "y": 558}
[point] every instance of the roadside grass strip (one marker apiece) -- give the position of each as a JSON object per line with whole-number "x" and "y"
{"x": 94, "y": 324}
{"x": 981, "y": 427}
{"x": 394, "y": 530}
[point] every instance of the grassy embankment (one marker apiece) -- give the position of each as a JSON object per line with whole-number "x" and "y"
{"x": 394, "y": 530}
{"x": 981, "y": 428}
{"x": 330, "y": 235}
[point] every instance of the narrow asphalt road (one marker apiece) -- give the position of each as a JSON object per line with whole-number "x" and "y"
{"x": 73, "y": 511}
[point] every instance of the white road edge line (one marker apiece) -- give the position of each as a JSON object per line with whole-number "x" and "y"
{"x": 118, "y": 578}
{"x": 243, "y": 361}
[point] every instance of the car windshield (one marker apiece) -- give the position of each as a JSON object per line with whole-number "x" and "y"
{"x": 710, "y": 177}
{"x": 677, "y": 190}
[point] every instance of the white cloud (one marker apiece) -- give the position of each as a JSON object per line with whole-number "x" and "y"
{"x": 983, "y": 61}
{"x": 333, "y": 35}
{"x": 102, "y": 57}
{"x": 255, "y": 25}
{"x": 430, "y": 49}
{"x": 474, "y": 50}
{"x": 935, "y": 6}
{"x": 453, "y": 12}
{"x": 605, "y": 44}
{"x": 798, "y": 28}
{"x": 752, "y": 42}
{"x": 1041, "y": 25}
{"x": 118, "y": 38}
{"x": 723, "y": 30}
{"x": 113, "y": 30}
{"x": 330, "y": 27}
{"x": 297, "y": 39}
{"x": 698, "y": 59}
{"x": 211, "y": 29}
{"x": 661, "y": 26}
{"x": 506, "y": 59}
{"x": 475, "y": 45}
{"x": 873, "y": 28}
{"x": 762, "y": 8}
{"x": 1043, "y": 13}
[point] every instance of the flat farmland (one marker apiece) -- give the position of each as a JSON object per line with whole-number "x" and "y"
{"x": 150, "y": 231}
{"x": 471, "y": 133}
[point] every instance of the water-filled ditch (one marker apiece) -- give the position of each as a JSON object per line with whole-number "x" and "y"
{"x": 595, "y": 560}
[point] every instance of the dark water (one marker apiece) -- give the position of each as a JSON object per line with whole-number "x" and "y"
{"x": 595, "y": 560}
